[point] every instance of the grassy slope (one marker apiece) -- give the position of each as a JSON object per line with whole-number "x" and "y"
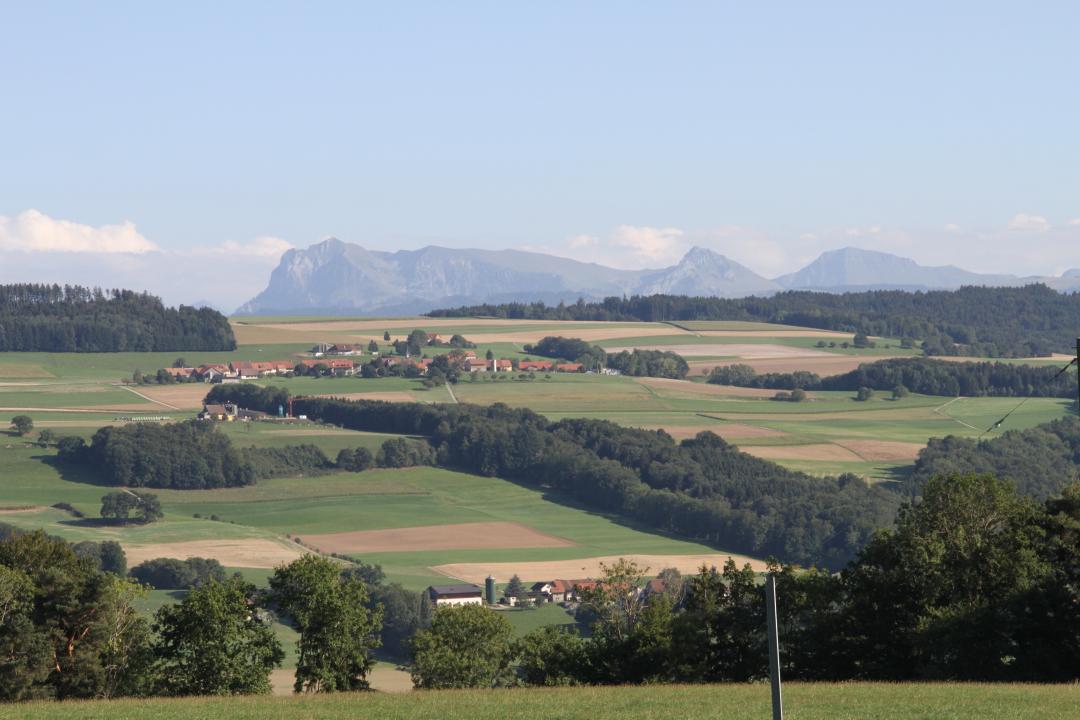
{"x": 848, "y": 701}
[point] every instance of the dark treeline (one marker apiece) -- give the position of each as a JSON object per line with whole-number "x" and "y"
{"x": 990, "y": 322}
{"x": 649, "y": 363}
{"x": 1040, "y": 461}
{"x": 288, "y": 461}
{"x": 173, "y": 574}
{"x": 191, "y": 455}
{"x": 974, "y": 583}
{"x": 51, "y": 318}
{"x": 702, "y": 488}
{"x": 636, "y": 362}
{"x": 918, "y": 375}
{"x": 196, "y": 455}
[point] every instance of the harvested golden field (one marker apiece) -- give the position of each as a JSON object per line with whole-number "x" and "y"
{"x": 462, "y": 536}
{"x": 18, "y": 370}
{"x": 824, "y": 364}
{"x": 728, "y": 431}
{"x": 842, "y": 450}
{"x": 585, "y": 567}
{"x": 816, "y": 451}
{"x": 249, "y": 553}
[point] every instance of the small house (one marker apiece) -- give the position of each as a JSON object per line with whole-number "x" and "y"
{"x": 224, "y": 412}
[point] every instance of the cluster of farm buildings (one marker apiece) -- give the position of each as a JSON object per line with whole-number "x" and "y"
{"x": 553, "y": 591}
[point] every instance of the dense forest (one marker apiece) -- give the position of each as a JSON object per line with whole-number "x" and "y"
{"x": 919, "y": 375}
{"x": 51, "y": 318}
{"x": 983, "y": 321}
{"x": 1040, "y": 461}
{"x": 702, "y": 488}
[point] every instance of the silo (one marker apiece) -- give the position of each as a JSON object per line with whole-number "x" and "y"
{"x": 489, "y": 590}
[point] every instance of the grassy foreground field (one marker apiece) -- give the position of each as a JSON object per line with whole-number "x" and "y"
{"x": 823, "y": 701}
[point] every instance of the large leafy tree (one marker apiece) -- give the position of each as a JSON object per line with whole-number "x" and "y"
{"x": 68, "y": 627}
{"x": 215, "y": 642}
{"x": 22, "y": 424}
{"x": 467, "y": 646}
{"x": 121, "y": 504}
{"x": 927, "y": 597}
{"x": 720, "y": 635}
{"x": 338, "y": 631}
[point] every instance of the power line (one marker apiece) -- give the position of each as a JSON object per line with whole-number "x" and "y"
{"x": 1021, "y": 404}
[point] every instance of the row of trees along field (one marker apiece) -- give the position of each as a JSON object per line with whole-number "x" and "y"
{"x": 974, "y": 583}
{"x": 54, "y": 318}
{"x": 920, "y": 375}
{"x": 984, "y": 321}
{"x": 196, "y": 455}
{"x": 637, "y": 363}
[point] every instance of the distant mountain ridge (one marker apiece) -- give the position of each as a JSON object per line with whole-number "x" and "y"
{"x": 337, "y": 278}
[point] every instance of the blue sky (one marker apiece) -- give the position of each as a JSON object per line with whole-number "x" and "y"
{"x": 620, "y": 132}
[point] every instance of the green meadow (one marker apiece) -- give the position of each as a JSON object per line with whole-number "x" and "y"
{"x": 802, "y": 701}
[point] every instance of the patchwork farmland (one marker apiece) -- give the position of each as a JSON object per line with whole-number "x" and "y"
{"x": 425, "y": 525}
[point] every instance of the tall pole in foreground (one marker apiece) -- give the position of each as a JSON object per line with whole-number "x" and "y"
{"x": 1078, "y": 376}
{"x": 774, "y": 639}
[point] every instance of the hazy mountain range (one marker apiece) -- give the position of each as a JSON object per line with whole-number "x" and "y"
{"x": 335, "y": 277}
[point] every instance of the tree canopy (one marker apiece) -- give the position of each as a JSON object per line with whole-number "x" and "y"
{"x": 51, "y": 318}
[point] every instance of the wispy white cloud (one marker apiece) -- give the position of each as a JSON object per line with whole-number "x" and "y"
{"x": 1022, "y": 222}
{"x": 629, "y": 247}
{"x": 266, "y": 246}
{"x": 34, "y": 231}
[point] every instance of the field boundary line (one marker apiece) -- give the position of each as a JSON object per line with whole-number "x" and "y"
{"x": 145, "y": 397}
{"x": 947, "y": 415}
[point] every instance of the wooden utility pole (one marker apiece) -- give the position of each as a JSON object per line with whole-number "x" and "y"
{"x": 1078, "y": 376}
{"x": 774, "y": 640}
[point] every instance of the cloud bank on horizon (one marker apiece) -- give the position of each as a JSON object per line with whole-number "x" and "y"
{"x": 35, "y": 247}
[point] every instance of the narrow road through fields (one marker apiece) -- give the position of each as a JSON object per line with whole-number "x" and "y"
{"x": 450, "y": 390}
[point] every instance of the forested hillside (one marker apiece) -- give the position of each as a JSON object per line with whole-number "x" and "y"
{"x": 984, "y": 321}
{"x": 51, "y": 318}
{"x": 1040, "y": 461}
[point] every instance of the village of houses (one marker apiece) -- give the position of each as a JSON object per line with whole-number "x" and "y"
{"x": 344, "y": 360}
